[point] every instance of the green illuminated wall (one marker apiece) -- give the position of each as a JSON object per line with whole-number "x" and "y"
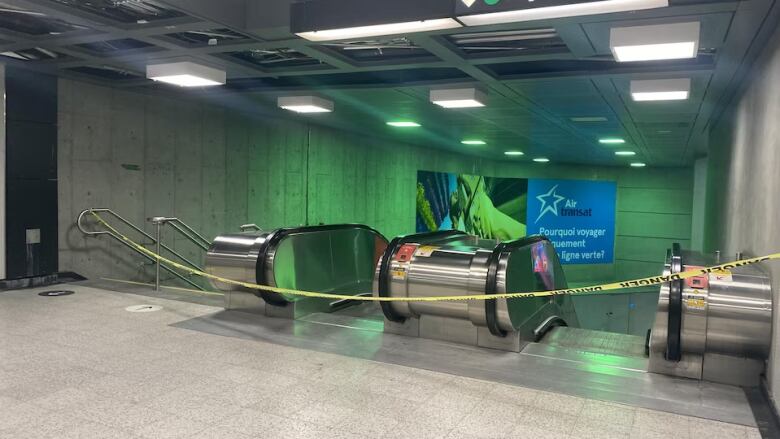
{"x": 321, "y": 175}
{"x": 216, "y": 169}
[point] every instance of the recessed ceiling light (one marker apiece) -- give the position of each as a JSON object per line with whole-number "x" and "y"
{"x": 458, "y": 97}
{"x": 186, "y": 74}
{"x": 541, "y": 160}
{"x": 473, "y": 142}
{"x": 403, "y": 124}
{"x": 661, "y": 90}
{"x": 567, "y": 10}
{"x": 514, "y": 153}
{"x": 625, "y": 153}
{"x": 380, "y": 29}
{"x": 305, "y": 104}
{"x": 649, "y": 43}
{"x": 612, "y": 141}
{"x": 638, "y": 165}
{"x": 588, "y": 119}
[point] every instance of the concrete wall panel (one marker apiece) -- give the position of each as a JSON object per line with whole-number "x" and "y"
{"x": 742, "y": 206}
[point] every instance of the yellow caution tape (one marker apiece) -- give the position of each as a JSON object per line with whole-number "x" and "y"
{"x": 595, "y": 289}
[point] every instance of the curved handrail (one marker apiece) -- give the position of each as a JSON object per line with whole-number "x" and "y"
{"x": 246, "y": 227}
{"x": 106, "y": 232}
{"x": 153, "y": 241}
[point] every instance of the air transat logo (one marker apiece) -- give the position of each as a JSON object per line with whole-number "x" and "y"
{"x": 550, "y": 204}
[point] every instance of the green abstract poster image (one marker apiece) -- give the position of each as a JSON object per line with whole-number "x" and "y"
{"x": 489, "y": 207}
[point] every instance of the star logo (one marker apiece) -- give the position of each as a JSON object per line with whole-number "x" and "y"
{"x": 549, "y": 202}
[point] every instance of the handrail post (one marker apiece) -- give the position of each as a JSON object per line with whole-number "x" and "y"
{"x": 158, "y": 221}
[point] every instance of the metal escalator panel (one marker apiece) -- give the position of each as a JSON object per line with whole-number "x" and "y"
{"x": 596, "y": 351}
{"x": 337, "y": 259}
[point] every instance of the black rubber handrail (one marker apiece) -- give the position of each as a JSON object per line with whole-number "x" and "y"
{"x": 276, "y": 237}
{"x": 674, "y": 312}
{"x": 491, "y": 280}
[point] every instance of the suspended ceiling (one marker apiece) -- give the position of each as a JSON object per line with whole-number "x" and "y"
{"x": 540, "y": 75}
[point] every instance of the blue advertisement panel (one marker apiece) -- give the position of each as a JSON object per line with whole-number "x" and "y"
{"x": 577, "y": 215}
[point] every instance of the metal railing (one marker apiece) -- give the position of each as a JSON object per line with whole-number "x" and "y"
{"x": 179, "y": 226}
{"x": 247, "y": 227}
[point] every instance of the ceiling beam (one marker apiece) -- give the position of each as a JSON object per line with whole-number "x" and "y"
{"x": 741, "y": 48}
{"x": 448, "y": 52}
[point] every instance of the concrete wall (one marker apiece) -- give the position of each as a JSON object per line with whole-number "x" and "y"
{"x": 744, "y": 180}
{"x": 215, "y": 169}
{"x": 140, "y": 156}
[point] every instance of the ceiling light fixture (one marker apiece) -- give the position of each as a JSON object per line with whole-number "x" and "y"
{"x": 588, "y": 119}
{"x": 473, "y": 142}
{"x": 638, "y": 165}
{"x": 305, "y": 104}
{"x": 612, "y": 141}
{"x": 319, "y": 20}
{"x": 458, "y": 97}
{"x": 186, "y": 74}
{"x": 625, "y": 153}
{"x": 661, "y": 90}
{"x": 541, "y": 160}
{"x": 656, "y": 42}
{"x": 380, "y": 29}
{"x": 403, "y": 124}
{"x": 536, "y": 11}
{"x": 514, "y": 153}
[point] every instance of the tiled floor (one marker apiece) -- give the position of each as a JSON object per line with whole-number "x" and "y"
{"x": 81, "y": 366}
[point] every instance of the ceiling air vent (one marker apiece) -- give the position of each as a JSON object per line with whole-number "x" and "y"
{"x": 208, "y": 37}
{"x": 380, "y": 49}
{"x": 514, "y": 42}
{"x": 123, "y": 11}
{"x": 275, "y": 58}
{"x": 107, "y": 72}
{"x": 113, "y": 46}
{"x": 29, "y": 22}
{"x": 33, "y": 54}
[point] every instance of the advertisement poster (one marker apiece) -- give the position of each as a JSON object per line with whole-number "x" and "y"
{"x": 578, "y": 216}
{"x": 484, "y": 206}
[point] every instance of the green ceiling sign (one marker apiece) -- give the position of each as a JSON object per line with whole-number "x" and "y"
{"x": 470, "y": 3}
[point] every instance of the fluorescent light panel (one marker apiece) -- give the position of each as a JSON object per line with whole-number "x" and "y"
{"x": 403, "y": 124}
{"x": 570, "y": 10}
{"x": 612, "y": 141}
{"x": 473, "y": 142}
{"x": 656, "y": 42}
{"x": 638, "y": 165}
{"x": 625, "y": 153}
{"x": 380, "y": 29}
{"x": 514, "y": 153}
{"x": 661, "y": 89}
{"x": 458, "y": 97}
{"x": 186, "y": 74}
{"x": 305, "y": 104}
{"x": 587, "y": 119}
{"x": 541, "y": 160}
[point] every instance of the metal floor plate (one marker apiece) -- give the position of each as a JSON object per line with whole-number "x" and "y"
{"x": 563, "y": 369}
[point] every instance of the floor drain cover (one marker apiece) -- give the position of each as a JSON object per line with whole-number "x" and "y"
{"x": 143, "y": 308}
{"x": 56, "y": 293}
